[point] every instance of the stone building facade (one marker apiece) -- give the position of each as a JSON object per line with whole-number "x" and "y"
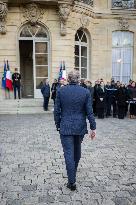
{"x": 97, "y": 37}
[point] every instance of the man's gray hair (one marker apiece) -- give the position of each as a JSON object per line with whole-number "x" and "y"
{"x": 73, "y": 76}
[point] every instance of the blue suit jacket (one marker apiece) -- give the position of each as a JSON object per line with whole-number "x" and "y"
{"x": 73, "y": 104}
{"x": 45, "y": 90}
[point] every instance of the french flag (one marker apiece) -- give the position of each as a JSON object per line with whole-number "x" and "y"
{"x": 4, "y": 76}
{"x": 9, "y": 78}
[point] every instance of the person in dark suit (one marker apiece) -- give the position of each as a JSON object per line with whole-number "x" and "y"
{"x": 91, "y": 89}
{"x": 96, "y": 86}
{"x": 121, "y": 97}
{"x": 73, "y": 104}
{"x": 45, "y": 90}
{"x": 132, "y": 96}
{"x": 82, "y": 83}
{"x": 16, "y": 78}
{"x": 111, "y": 99}
{"x": 100, "y": 100}
{"x": 54, "y": 90}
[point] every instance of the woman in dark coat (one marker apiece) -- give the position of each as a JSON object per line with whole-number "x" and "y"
{"x": 54, "y": 90}
{"x": 121, "y": 97}
{"x": 132, "y": 94}
{"x": 100, "y": 100}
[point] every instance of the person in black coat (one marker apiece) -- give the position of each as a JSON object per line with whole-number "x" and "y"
{"x": 97, "y": 84}
{"x": 16, "y": 78}
{"x": 121, "y": 97}
{"x": 45, "y": 90}
{"x": 54, "y": 90}
{"x": 100, "y": 100}
{"x": 82, "y": 83}
{"x": 132, "y": 94}
{"x": 111, "y": 99}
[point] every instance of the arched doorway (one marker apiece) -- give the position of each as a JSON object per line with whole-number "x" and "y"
{"x": 34, "y": 59}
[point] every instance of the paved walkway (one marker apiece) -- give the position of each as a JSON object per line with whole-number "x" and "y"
{"x": 32, "y": 170}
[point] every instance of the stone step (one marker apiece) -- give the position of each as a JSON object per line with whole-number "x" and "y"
{"x": 25, "y": 111}
{"x": 23, "y": 106}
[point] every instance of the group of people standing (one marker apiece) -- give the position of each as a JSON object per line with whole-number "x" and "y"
{"x": 45, "y": 90}
{"x": 114, "y": 98}
{"x": 111, "y": 99}
{"x": 76, "y": 100}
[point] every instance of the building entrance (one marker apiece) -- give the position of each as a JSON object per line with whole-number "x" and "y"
{"x": 34, "y": 59}
{"x": 26, "y": 68}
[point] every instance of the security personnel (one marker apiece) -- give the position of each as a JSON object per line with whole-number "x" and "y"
{"x": 111, "y": 99}
{"x": 16, "y": 78}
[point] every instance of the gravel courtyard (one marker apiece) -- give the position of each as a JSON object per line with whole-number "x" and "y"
{"x": 32, "y": 169}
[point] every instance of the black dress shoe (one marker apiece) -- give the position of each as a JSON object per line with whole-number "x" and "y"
{"x": 72, "y": 187}
{"x": 45, "y": 109}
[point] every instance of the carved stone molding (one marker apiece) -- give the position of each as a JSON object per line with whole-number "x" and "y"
{"x": 32, "y": 13}
{"x": 84, "y": 21}
{"x": 87, "y": 11}
{"x": 64, "y": 12}
{"x": 3, "y": 15}
{"x": 123, "y": 24}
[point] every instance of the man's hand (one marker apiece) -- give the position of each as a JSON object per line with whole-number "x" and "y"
{"x": 58, "y": 129}
{"x": 92, "y": 134}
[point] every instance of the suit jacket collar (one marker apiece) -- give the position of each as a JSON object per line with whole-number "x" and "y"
{"x": 73, "y": 83}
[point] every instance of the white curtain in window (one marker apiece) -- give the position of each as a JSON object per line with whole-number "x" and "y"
{"x": 122, "y": 55}
{"x": 81, "y": 53}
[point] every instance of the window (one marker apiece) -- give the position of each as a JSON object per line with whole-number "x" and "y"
{"x": 81, "y": 53}
{"x": 124, "y": 4}
{"x": 122, "y": 55}
{"x": 33, "y": 31}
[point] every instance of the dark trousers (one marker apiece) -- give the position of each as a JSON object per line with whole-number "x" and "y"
{"x": 100, "y": 112}
{"x": 121, "y": 112}
{"x": 16, "y": 88}
{"x": 45, "y": 103}
{"x": 132, "y": 109}
{"x": 111, "y": 102}
{"x": 72, "y": 153}
{"x": 126, "y": 109}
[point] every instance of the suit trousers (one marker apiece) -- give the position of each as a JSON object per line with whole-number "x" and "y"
{"x": 45, "y": 103}
{"x": 72, "y": 153}
{"x": 132, "y": 109}
{"x": 121, "y": 111}
{"x": 16, "y": 87}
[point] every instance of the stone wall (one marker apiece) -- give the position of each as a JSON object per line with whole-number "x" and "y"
{"x": 98, "y": 23}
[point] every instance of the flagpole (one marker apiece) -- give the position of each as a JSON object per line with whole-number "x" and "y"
{"x": 5, "y": 84}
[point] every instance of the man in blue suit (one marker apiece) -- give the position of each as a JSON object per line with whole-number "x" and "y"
{"x": 73, "y": 104}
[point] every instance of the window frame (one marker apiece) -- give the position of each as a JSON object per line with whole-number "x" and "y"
{"x": 81, "y": 44}
{"x": 121, "y": 49}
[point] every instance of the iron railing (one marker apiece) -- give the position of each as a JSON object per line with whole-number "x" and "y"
{"x": 88, "y": 2}
{"x": 124, "y": 4}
